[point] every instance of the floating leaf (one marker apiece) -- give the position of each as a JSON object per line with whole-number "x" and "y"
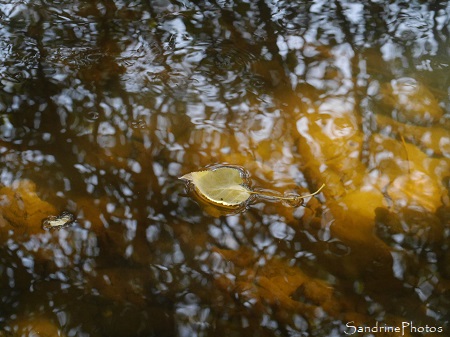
{"x": 225, "y": 187}
{"x": 222, "y": 186}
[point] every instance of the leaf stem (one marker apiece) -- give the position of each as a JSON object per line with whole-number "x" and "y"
{"x": 288, "y": 198}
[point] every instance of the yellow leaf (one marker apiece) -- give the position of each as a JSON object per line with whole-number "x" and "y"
{"x": 225, "y": 188}
{"x": 222, "y": 186}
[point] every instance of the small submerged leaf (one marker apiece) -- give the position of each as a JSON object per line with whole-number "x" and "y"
{"x": 222, "y": 186}
{"x": 57, "y": 222}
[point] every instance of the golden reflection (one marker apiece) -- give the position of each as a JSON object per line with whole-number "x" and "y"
{"x": 22, "y": 208}
{"x": 410, "y": 101}
{"x": 434, "y": 140}
{"x": 264, "y": 280}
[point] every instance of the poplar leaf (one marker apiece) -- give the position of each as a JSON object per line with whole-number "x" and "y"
{"x": 222, "y": 186}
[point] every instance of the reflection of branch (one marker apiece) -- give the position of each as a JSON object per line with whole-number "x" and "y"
{"x": 436, "y": 7}
{"x": 348, "y": 37}
{"x": 272, "y": 47}
{"x": 344, "y": 22}
{"x": 48, "y": 120}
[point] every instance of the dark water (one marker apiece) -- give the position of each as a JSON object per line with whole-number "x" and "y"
{"x": 104, "y": 104}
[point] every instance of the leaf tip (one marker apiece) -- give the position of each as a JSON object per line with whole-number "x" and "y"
{"x": 186, "y": 177}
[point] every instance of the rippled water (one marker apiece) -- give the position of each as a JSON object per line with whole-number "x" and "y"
{"x": 104, "y": 104}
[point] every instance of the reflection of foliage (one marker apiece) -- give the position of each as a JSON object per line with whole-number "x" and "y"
{"x": 272, "y": 281}
{"x": 23, "y": 208}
